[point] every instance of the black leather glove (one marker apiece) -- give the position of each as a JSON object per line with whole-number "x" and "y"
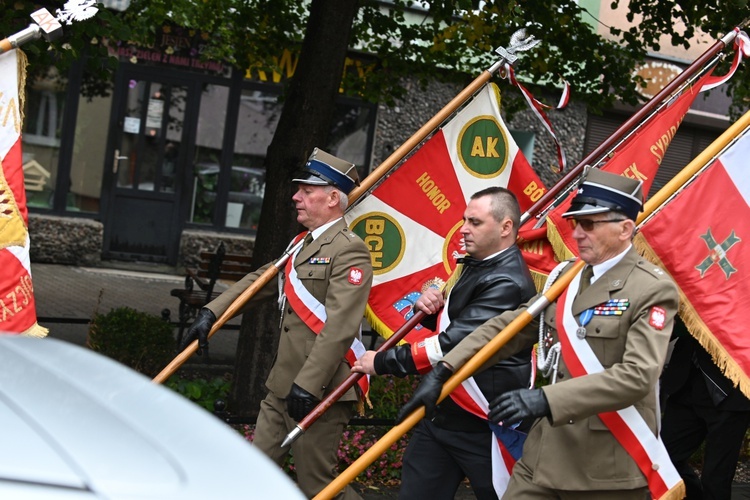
{"x": 199, "y": 330}
{"x": 299, "y": 403}
{"x": 427, "y": 392}
{"x": 513, "y": 406}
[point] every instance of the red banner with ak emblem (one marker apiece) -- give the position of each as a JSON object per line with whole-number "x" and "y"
{"x": 701, "y": 239}
{"x": 410, "y": 222}
{"x": 17, "y": 306}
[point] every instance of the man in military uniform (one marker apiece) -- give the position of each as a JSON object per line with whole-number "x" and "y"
{"x": 613, "y": 333}
{"x": 494, "y": 278}
{"x": 322, "y": 294}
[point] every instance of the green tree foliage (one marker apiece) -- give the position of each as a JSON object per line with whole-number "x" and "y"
{"x": 438, "y": 39}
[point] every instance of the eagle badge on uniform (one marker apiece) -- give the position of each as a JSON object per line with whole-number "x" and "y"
{"x": 355, "y": 276}
{"x": 657, "y": 317}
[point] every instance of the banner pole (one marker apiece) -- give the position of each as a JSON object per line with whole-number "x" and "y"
{"x": 536, "y": 307}
{"x": 476, "y": 362}
{"x": 349, "y": 382}
{"x": 519, "y": 42}
{"x": 660, "y": 198}
{"x": 636, "y": 119}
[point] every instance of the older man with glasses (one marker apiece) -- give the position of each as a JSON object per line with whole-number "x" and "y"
{"x": 613, "y": 325}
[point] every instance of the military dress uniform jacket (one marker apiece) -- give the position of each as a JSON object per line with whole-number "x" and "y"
{"x": 573, "y": 449}
{"x": 315, "y": 362}
{"x": 485, "y": 289}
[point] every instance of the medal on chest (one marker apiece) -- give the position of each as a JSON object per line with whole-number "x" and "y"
{"x": 583, "y": 320}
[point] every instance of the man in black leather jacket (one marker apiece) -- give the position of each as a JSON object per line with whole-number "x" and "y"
{"x": 455, "y": 444}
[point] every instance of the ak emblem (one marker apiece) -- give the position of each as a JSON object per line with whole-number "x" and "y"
{"x": 717, "y": 253}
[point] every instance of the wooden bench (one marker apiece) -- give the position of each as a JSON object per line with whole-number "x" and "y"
{"x": 217, "y": 265}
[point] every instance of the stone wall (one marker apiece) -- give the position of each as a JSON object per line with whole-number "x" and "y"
{"x": 79, "y": 241}
{"x": 192, "y": 242}
{"x": 65, "y": 240}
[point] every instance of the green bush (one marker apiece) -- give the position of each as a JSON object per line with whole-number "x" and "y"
{"x": 388, "y": 394}
{"x": 142, "y": 341}
{"x": 203, "y": 392}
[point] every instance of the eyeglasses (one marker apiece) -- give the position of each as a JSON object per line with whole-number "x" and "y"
{"x": 588, "y": 224}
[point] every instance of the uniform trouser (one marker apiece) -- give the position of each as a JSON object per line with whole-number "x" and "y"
{"x": 315, "y": 452}
{"x": 521, "y": 487}
{"x": 436, "y": 460}
{"x": 685, "y": 427}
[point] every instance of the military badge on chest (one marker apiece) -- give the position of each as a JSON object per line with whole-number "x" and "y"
{"x": 320, "y": 260}
{"x": 613, "y": 307}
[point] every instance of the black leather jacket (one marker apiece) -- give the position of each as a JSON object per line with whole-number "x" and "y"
{"x": 485, "y": 289}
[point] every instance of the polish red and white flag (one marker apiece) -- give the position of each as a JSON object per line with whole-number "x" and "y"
{"x": 701, "y": 238}
{"x": 17, "y": 305}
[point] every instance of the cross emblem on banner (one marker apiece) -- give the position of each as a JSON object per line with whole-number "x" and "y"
{"x": 718, "y": 253}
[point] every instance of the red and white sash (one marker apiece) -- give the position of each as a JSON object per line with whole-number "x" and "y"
{"x": 626, "y": 425}
{"x": 313, "y": 313}
{"x": 426, "y": 353}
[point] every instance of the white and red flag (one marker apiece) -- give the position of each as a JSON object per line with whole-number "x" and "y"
{"x": 701, "y": 238}
{"x": 17, "y": 305}
{"x": 411, "y": 221}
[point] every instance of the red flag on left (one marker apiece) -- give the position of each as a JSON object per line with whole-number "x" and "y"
{"x": 17, "y": 305}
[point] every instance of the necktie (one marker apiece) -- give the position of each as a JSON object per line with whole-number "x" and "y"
{"x": 586, "y": 275}
{"x": 308, "y": 240}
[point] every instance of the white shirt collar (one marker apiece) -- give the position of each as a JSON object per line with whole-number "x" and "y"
{"x": 605, "y": 266}
{"x": 495, "y": 254}
{"x": 322, "y": 229}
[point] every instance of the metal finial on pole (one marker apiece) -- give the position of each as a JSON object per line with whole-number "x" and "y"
{"x": 49, "y": 27}
{"x": 519, "y": 42}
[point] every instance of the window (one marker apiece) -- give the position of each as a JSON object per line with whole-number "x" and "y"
{"x": 45, "y": 100}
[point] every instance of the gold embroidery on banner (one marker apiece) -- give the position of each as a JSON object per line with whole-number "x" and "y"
{"x": 12, "y": 229}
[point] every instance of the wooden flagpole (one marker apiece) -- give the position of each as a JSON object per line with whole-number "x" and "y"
{"x": 476, "y": 362}
{"x": 518, "y": 43}
{"x": 481, "y": 357}
{"x": 638, "y": 119}
{"x": 660, "y": 198}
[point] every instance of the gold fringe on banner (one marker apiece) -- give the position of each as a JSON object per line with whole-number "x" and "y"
{"x": 452, "y": 279}
{"x": 677, "y": 492}
{"x": 376, "y": 324}
{"x": 22, "y": 62}
{"x": 562, "y": 252}
{"x": 539, "y": 280}
{"x": 698, "y": 328}
{"x": 36, "y": 331}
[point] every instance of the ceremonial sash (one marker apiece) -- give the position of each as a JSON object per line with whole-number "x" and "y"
{"x": 506, "y": 444}
{"x": 313, "y": 313}
{"x": 626, "y": 425}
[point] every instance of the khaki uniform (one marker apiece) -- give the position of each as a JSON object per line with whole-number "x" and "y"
{"x": 573, "y": 450}
{"x": 314, "y": 362}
